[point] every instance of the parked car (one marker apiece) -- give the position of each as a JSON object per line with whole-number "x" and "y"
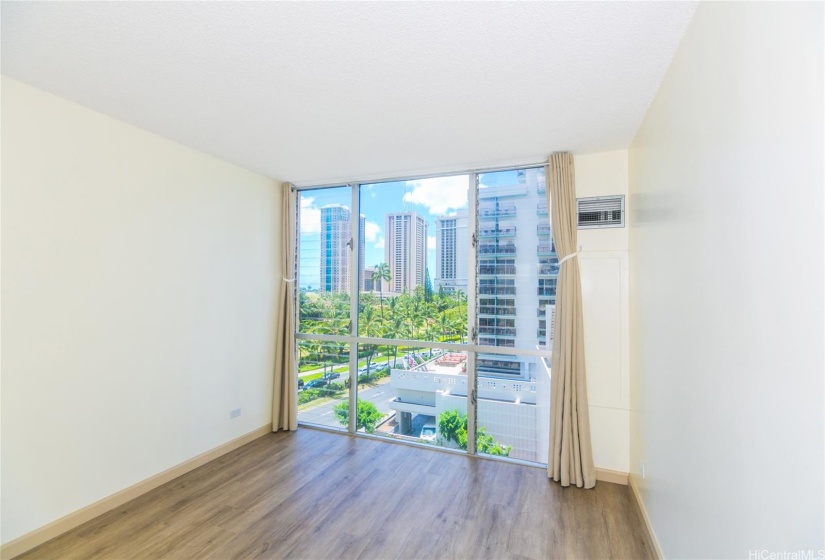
{"x": 316, "y": 383}
{"x": 428, "y": 431}
{"x": 333, "y": 376}
{"x": 300, "y": 383}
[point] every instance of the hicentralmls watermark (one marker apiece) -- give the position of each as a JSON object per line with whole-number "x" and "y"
{"x": 786, "y": 554}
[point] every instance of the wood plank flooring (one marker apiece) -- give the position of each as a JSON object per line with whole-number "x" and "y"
{"x": 313, "y": 494}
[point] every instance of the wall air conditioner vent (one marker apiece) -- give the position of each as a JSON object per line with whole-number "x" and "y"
{"x": 600, "y": 212}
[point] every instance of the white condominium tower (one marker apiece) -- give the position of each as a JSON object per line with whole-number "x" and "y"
{"x": 405, "y": 250}
{"x": 517, "y": 269}
{"x": 335, "y": 252}
{"x": 451, "y": 252}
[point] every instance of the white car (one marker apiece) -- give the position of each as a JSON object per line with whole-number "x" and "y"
{"x": 428, "y": 432}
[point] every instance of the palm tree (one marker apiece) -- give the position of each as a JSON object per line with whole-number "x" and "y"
{"x": 370, "y": 324}
{"x": 459, "y": 325}
{"x": 393, "y": 304}
{"x": 444, "y": 323}
{"x": 381, "y": 274}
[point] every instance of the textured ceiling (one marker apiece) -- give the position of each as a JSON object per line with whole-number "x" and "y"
{"x": 315, "y": 92}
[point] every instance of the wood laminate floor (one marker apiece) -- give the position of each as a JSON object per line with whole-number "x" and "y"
{"x": 313, "y": 494}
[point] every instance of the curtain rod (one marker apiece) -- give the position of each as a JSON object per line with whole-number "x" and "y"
{"x": 419, "y": 177}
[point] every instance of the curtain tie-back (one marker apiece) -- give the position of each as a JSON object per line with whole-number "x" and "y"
{"x": 288, "y": 279}
{"x": 568, "y": 257}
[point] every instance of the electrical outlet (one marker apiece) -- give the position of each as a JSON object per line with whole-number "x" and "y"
{"x": 234, "y": 413}
{"x": 642, "y": 469}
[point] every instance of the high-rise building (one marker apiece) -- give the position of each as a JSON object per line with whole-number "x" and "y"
{"x": 517, "y": 269}
{"x": 405, "y": 250}
{"x": 336, "y": 236}
{"x": 451, "y": 252}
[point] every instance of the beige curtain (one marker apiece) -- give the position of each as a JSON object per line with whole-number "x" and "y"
{"x": 571, "y": 455}
{"x": 285, "y": 391}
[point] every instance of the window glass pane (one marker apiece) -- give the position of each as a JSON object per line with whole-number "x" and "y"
{"x": 324, "y": 260}
{"x": 415, "y": 256}
{"x": 513, "y": 414}
{"x": 323, "y": 374}
{"x": 517, "y": 265}
{"x": 416, "y": 394}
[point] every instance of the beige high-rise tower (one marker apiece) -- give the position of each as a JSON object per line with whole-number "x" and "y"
{"x": 405, "y": 250}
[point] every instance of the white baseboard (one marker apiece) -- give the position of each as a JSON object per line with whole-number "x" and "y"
{"x": 37, "y": 537}
{"x": 607, "y": 475}
{"x": 651, "y": 536}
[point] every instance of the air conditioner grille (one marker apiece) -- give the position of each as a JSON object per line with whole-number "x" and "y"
{"x": 600, "y": 212}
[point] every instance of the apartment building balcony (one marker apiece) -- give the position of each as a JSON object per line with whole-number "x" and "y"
{"x": 541, "y": 209}
{"x": 546, "y": 250}
{"x": 493, "y": 250}
{"x": 497, "y": 311}
{"x": 541, "y": 187}
{"x": 497, "y": 290}
{"x": 546, "y": 291}
{"x": 496, "y": 270}
{"x": 508, "y": 231}
{"x": 493, "y": 212}
{"x": 543, "y": 229}
{"x": 501, "y": 342}
{"x": 502, "y": 191}
{"x": 498, "y": 331}
{"x": 548, "y": 269}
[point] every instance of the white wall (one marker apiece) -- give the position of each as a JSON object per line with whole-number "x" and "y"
{"x": 604, "y": 270}
{"x": 137, "y": 294}
{"x": 726, "y": 179}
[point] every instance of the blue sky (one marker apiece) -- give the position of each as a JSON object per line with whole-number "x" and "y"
{"x": 430, "y": 198}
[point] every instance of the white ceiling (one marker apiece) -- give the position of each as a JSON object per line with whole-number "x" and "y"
{"x": 315, "y": 92}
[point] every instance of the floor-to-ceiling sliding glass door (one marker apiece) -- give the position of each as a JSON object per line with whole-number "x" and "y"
{"x": 423, "y": 308}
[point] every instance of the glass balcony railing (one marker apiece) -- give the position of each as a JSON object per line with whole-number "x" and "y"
{"x": 497, "y": 232}
{"x": 545, "y": 250}
{"x": 543, "y": 229}
{"x": 541, "y": 209}
{"x": 509, "y": 249}
{"x": 497, "y": 311}
{"x": 502, "y": 342}
{"x": 496, "y": 270}
{"x": 498, "y": 331}
{"x": 497, "y": 290}
{"x": 493, "y": 212}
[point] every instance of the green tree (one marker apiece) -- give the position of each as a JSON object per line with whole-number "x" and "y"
{"x": 370, "y": 324}
{"x": 444, "y": 325}
{"x": 428, "y": 286}
{"x": 486, "y": 444}
{"x": 367, "y": 417}
{"x": 381, "y": 274}
{"x": 452, "y": 426}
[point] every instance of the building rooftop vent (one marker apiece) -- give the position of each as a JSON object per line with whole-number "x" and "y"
{"x": 600, "y": 212}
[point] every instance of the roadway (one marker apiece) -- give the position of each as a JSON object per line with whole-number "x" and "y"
{"x": 381, "y": 395}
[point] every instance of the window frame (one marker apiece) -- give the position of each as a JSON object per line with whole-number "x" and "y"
{"x": 472, "y": 347}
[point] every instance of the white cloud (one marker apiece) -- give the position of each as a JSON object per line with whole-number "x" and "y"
{"x": 439, "y": 194}
{"x": 380, "y": 243}
{"x": 430, "y": 242}
{"x": 371, "y": 231}
{"x": 310, "y": 216}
